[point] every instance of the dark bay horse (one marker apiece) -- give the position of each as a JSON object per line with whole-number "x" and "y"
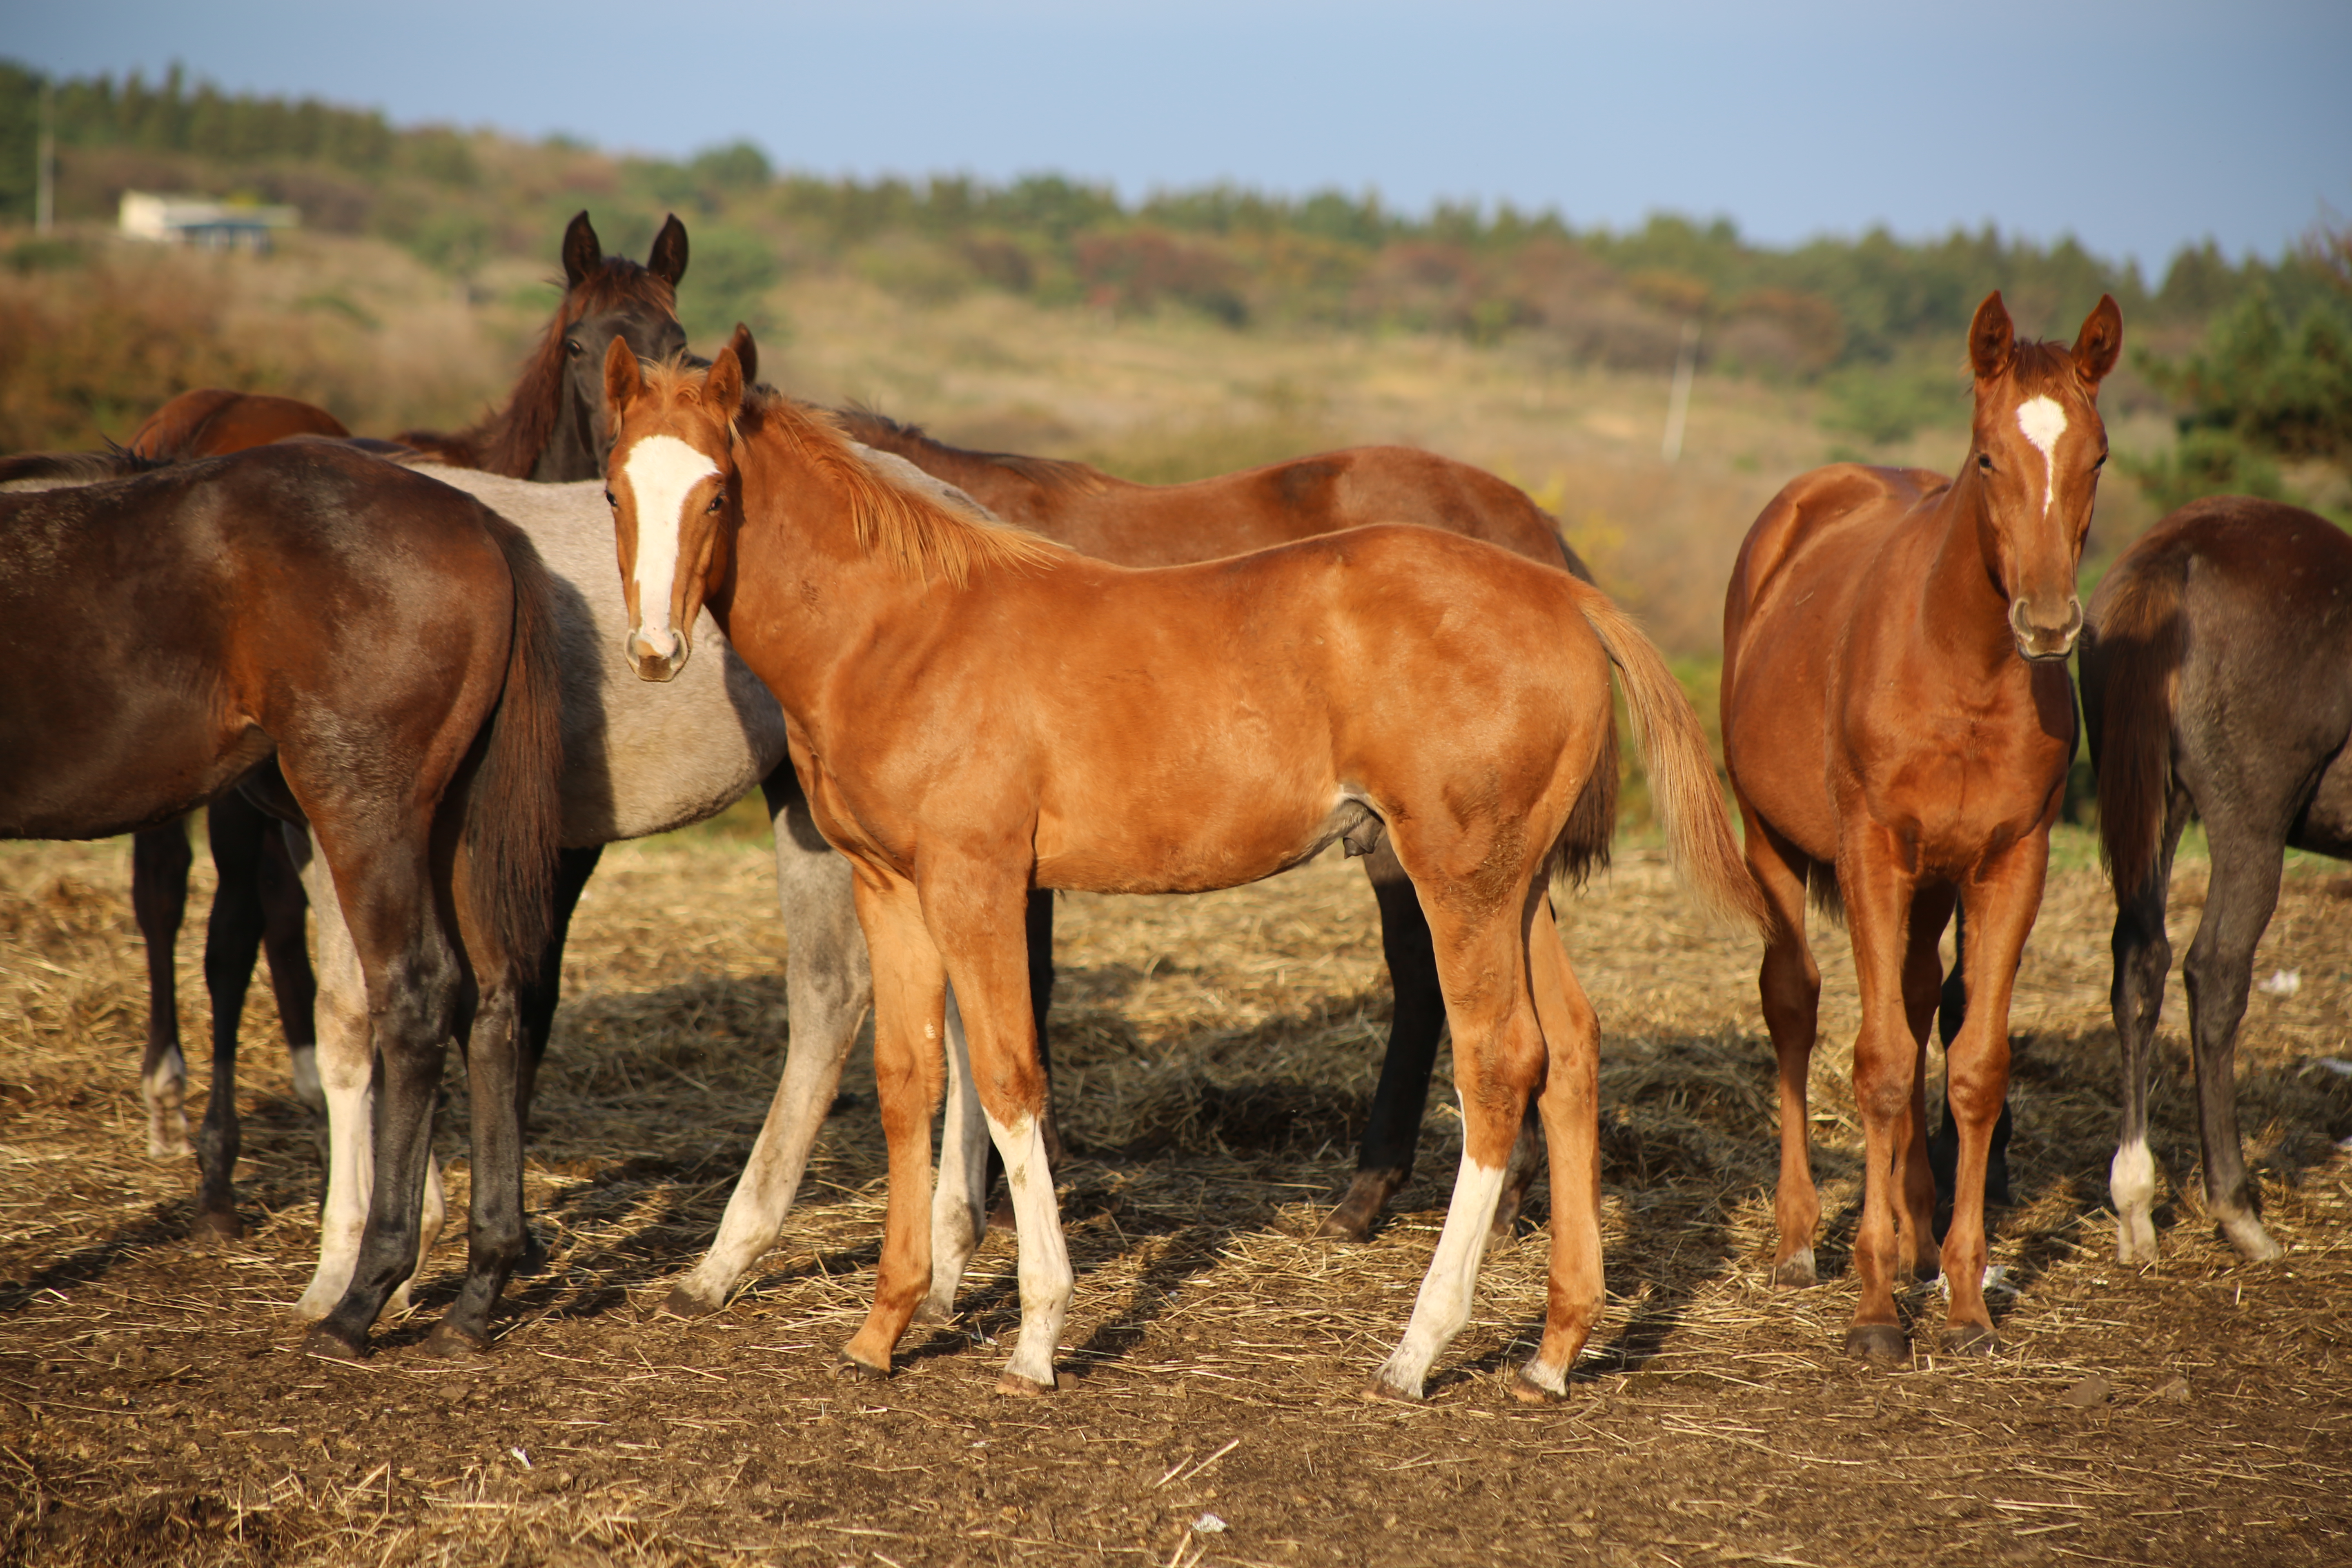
{"x": 977, "y": 710}
{"x": 2217, "y": 683}
{"x": 551, "y": 428}
{"x": 1117, "y": 520}
{"x": 359, "y": 649}
{"x": 1898, "y": 722}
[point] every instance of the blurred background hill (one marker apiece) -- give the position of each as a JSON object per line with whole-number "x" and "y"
{"x": 1186, "y": 332}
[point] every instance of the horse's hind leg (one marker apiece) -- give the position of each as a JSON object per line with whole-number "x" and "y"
{"x": 412, "y": 980}
{"x": 494, "y": 1238}
{"x": 238, "y": 832}
{"x": 1392, "y": 1130}
{"x": 160, "y": 859}
{"x": 1570, "y": 1107}
{"x": 829, "y": 986}
{"x": 535, "y": 1010}
{"x": 2143, "y": 956}
{"x": 2238, "y": 901}
{"x": 1499, "y": 1058}
{"x": 286, "y": 942}
{"x": 1789, "y": 986}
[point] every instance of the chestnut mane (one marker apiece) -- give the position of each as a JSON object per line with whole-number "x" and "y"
{"x": 921, "y": 534}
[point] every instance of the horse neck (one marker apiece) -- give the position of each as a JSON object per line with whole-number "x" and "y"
{"x": 570, "y": 450}
{"x": 1964, "y": 618}
{"x": 976, "y": 474}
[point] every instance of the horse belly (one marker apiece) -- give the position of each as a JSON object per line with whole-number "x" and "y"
{"x": 1188, "y": 841}
{"x": 2326, "y": 827}
{"x": 145, "y": 763}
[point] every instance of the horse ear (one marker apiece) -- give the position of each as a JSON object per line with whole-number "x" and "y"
{"x": 667, "y": 260}
{"x": 746, "y": 352}
{"x": 582, "y": 254}
{"x": 722, "y": 392}
{"x": 2100, "y": 342}
{"x": 621, "y": 382}
{"x": 1992, "y": 340}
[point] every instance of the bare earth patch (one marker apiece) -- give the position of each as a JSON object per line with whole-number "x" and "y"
{"x": 1213, "y": 1058}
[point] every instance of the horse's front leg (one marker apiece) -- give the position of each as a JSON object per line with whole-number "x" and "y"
{"x": 910, "y": 992}
{"x": 1878, "y": 890}
{"x": 2003, "y": 897}
{"x": 829, "y": 987}
{"x": 972, "y": 903}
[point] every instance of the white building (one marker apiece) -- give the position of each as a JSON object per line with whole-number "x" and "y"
{"x": 198, "y": 220}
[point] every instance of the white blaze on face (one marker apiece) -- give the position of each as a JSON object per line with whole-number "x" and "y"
{"x": 2043, "y": 422}
{"x": 661, "y": 470}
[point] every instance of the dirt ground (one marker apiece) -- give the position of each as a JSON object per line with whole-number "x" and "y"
{"x": 1215, "y": 1056}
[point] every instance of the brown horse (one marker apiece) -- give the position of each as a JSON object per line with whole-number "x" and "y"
{"x": 1117, "y": 520}
{"x": 2216, "y": 682}
{"x": 976, "y": 710}
{"x": 360, "y": 650}
{"x": 551, "y": 428}
{"x": 1897, "y": 722}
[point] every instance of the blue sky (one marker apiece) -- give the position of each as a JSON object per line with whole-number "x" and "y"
{"x": 2136, "y": 127}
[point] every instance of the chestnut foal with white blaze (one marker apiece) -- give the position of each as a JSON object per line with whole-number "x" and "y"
{"x": 974, "y": 710}
{"x": 1899, "y": 724}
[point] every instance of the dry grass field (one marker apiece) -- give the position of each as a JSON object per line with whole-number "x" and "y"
{"x": 1214, "y": 1057}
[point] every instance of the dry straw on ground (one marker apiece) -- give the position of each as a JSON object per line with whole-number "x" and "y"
{"x": 1214, "y": 1057}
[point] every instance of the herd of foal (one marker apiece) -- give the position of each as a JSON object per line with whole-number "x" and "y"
{"x": 416, "y": 697}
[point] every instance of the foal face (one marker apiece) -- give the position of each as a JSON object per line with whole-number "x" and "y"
{"x": 2037, "y": 448}
{"x": 670, "y": 483}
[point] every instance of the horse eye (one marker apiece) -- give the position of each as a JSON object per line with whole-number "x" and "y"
{"x": 717, "y": 501}
{"x": 1984, "y": 461}
{"x": 610, "y": 501}
{"x": 2100, "y": 462}
{"x": 571, "y": 347}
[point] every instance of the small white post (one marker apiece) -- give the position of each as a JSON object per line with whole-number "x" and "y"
{"x": 45, "y": 161}
{"x": 1678, "y": 403}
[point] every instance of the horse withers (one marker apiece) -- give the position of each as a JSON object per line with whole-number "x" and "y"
{"x": 1899, "y": 724}
{"x": 363, "y": 651}
{"x": 976, "y": 710}
{"x": 2217, "y": 683}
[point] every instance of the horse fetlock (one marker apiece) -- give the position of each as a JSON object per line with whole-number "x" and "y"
{"x": 2136, "y": 1239}
{"x": 2245, "y": 1231}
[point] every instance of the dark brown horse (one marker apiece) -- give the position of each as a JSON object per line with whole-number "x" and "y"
{"x": 2217, "y": 683}
{"x": 976, "y": 710}
{"x": 1899, "y": 724}
{"x": 357, "y": 648}
{"x": 1117, "y": 520}
{"x": 551, "y": 428}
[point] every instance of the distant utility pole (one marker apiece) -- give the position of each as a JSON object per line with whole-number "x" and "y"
{"x": 1678, "y": 403}
{"x": 45, "y": 160}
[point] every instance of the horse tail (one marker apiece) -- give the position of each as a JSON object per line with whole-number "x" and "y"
{"x": 513, "y": 803}
{"x": 1682, "y": 773}
{"x": 2131, "y": 663}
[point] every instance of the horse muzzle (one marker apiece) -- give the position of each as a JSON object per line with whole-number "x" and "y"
{"x": 2041, "y": 640}
{"x": 656, "y": 655}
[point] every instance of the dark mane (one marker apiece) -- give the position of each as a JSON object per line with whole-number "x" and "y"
{"x": 78, "y": 467}
{"x": 874, "y": 429}
{"x": 510, "y": 441}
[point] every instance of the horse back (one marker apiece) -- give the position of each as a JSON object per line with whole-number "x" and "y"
{"x": 213, "y": 421}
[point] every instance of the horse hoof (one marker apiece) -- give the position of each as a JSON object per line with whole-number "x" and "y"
{"x": 850, "y": 1368}
{"x": 330, "y": 1344}
{"x": 217, "y": 1230}
{"x": 1970, "y": 1340}
{"x": 1013, "y": 1385}
{"x": 1881, "y": 1345}
{"x": 2252, "y": 1242}
{"x": 1381, "y": 1391}
{"x": 449, "y": 1342}
{"x": 685, "y": 1301}
{"x": 1795, "y": 1272}
{"x": 1528, "y": 1391}
{"x": 932, "y": 1315}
